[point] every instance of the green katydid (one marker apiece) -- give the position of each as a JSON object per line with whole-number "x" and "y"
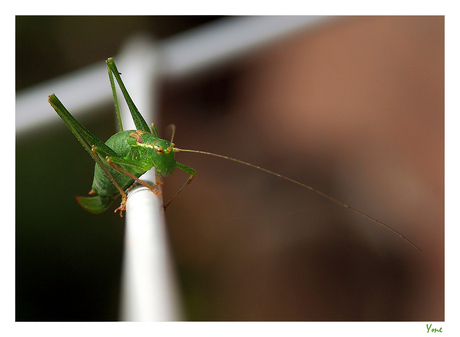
{"x": 128, "y": 154}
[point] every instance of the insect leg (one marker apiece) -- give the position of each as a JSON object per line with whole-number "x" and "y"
{"x": 139, "y": 121}
{"x": 190, "y": 171}
{"x": 110, "y": 161}
{"x": 115, "y": 99}
{"x": 154, "y": 130}
{"x": 124, "y": 198}
{"x": 81, "y": 133}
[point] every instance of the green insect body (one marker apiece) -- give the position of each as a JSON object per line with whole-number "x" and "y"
{"x": 127, "y": 155}
{"x": 138, "y": 156}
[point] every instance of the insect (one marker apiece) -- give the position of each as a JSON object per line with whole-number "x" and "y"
{"x": 128, "y": 154}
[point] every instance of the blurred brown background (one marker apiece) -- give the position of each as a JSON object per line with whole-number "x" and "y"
{"x": 354, "y": 108}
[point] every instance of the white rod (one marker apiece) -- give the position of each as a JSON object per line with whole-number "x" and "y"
{"x": 183, "y": 54}
{"x": 148, "y": 287}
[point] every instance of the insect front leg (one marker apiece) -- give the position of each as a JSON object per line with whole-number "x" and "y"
{"x": 190, "y": 171}
{"x": 115, "y": 163}
{"x": 111, "y": 162}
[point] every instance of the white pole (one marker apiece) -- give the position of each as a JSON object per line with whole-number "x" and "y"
{"x": 149, "y": 289}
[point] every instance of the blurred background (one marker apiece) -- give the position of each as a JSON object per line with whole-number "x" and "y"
{"x": 353, "y": 107}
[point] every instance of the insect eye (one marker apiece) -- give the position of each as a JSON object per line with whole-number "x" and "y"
{"x": 159, "y": 150}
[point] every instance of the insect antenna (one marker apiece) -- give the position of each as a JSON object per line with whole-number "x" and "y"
{"x": 173, "y": 129}
{"x": 306, "y": 186}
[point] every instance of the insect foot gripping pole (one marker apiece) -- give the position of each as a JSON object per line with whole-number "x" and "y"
{"x": 308, "y": 187}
